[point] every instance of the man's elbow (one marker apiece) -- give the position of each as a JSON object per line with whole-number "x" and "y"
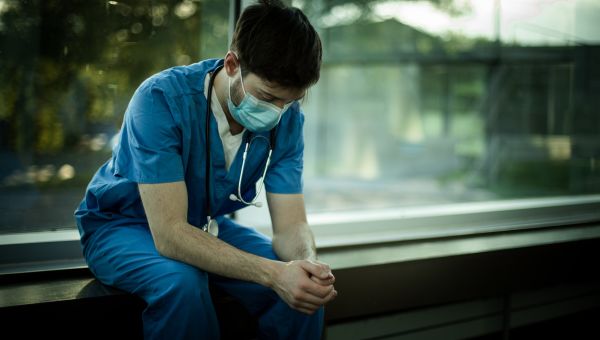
{"x": 163, "y": 240}
{"x": 163, "y": 248}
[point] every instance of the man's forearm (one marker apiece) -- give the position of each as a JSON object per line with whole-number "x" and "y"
{"x": 295, "y": 243}
{"x": 191, "y": 245}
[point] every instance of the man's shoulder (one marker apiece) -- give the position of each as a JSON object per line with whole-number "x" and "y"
{"x": 293, "y": 118}
{"x": 183, "y": 79}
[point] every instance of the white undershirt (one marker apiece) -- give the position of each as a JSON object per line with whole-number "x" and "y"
{"x": 231, "y": 143}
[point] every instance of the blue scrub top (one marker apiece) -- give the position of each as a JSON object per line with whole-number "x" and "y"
{"x": 163, "y": 140}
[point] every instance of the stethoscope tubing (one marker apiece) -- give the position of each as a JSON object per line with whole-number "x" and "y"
{"x": 248, "y": 142}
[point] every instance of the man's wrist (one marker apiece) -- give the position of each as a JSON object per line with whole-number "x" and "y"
{"x": 272, "y": 269}
{"x": 312, "y": 255}
{"x": 302, "y": 242}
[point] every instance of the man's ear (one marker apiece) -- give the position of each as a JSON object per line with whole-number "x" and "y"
{"x": 231, "y": 63}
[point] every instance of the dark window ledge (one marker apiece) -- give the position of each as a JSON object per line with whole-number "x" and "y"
{"x": 371, "y": 280}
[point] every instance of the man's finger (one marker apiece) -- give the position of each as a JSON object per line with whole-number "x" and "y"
{"x": 321, "y": 271}
{"x": 317, "y": 290}
{"x": 306, "y": 311}
{"x": 325, "y": 282}
{"x": 307, "y": 305}
{"x": 332, "y": 296}
{"x": 313, "y": 299}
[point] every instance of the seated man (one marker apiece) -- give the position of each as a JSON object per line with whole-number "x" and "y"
{"x": 152, "y": 220}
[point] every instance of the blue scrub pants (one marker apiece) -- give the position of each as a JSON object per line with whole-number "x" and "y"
{"x": 178, "y": 300}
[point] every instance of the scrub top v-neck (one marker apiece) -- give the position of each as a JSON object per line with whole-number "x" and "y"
{"x": 231, "y": 143}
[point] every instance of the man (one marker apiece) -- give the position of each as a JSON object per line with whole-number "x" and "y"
{"x": 149, "y": 214}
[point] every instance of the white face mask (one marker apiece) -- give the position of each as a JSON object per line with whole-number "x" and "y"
{"x": 254, "y": 114}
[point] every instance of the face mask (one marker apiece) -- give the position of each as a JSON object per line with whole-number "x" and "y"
{"x": 254, "y": 114}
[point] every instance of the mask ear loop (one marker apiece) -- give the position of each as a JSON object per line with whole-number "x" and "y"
{"x": 241, "y": 80}
{"x": 229, "y": 92}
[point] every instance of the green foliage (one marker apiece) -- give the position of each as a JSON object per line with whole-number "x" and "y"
{"x": 70, "y": 67}
{"x": 527, "y": 178}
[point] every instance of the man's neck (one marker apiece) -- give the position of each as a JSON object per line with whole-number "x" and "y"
{"x": 221, "y": 89}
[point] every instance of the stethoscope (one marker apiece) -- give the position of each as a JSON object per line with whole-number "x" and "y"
{"x": 211, "y": 225}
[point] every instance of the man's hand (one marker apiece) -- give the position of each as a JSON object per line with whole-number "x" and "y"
{"x": 329, "y": 280}
{"x": 305, "y": 285}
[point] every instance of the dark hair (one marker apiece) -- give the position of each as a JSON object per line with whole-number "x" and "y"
{"x": 278, "y": 44}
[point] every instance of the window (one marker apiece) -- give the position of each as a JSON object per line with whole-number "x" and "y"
{"x": 424, "y": 108}
{"x": 68, "y": 70}
{"x": 423, "y": 103}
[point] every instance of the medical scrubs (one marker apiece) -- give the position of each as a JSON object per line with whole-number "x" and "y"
{"x": 163, "y": 140}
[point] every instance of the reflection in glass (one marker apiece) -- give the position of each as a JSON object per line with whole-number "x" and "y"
{"x": 426, "y": 102}
{"x": 67, "y": 71}
{"x": 419, "y": 102}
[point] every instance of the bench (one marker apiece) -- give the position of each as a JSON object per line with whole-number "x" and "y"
{"x": 73, "y": 304}
{"x": 374, "y": 282}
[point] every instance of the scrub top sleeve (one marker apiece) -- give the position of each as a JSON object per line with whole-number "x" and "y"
{"x": 285, "y": 175}
{"x": 149, "y": 150}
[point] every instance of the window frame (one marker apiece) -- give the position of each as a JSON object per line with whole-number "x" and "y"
{"x": 335, "y": 231}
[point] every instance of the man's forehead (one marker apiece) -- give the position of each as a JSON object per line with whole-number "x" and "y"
{"x": 267, "y": 84}
{"x": 273, "y": 88}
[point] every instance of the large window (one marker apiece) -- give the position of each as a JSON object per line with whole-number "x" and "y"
{"x": 423, "y": 103}
{"x": 420, "y": 103}
{"x": 67, "y": 71}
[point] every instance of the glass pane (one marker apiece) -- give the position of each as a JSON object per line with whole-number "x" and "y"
{"x": 440, "y": 101}
{"x": 67, "y": 71}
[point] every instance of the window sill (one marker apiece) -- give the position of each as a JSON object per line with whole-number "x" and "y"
{"x": 380, "y": 254}
{"x": 353, "y": 239}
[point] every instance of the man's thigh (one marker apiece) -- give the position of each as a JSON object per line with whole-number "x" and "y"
{"x": 126, "y": 257}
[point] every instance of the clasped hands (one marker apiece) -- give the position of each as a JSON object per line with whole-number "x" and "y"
{"x": 305, "y": 285}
